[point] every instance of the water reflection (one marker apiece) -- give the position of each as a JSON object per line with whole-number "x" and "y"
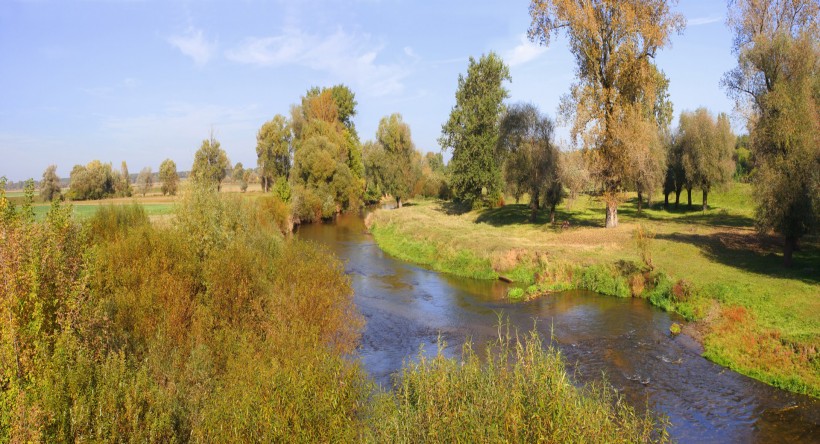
{"x": 625, "y": 339}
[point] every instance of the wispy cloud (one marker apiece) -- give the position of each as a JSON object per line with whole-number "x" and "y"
{"x": 351, "y": 57}
{"x": 525, "y": 51}
{"x": 193, "y": 44}
{"x": 698, "y": 21}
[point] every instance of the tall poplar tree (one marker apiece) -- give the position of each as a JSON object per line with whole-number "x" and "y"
{"x": 619, "y": 90}
{"x": 472, "y": 131}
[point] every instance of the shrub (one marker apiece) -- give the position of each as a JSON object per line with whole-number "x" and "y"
{"x": 602, "y": 279}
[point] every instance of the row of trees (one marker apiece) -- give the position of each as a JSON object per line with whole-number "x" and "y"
{"x": 98, "y": 180}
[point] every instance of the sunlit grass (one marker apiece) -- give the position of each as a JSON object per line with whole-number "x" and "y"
{"x": 718, "y": 251}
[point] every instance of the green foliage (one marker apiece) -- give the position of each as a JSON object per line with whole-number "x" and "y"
{"x": 776, "y": 80}
{"x": 239, "y": 175}
{"x": 169, "y": 177}
{"x": 145, "y": 180}
{"x": 515, "y": 293}
{"x": 706, "y": 146}
{"x": 282, "y": 190}
{"x": 394, "y": 163}
{"x": 602, "y": 279}
{"x": 273, "y": 150}
{"x": 471, "y": 131}
{"x": 93, "y": 181}
{"x": 518, "y": 391}
{"x": 122, "y": 181}
{"x": 532, "y": 159}
{"x": 327, "y": 161}
{"x": 50, "y": 185}
{"x": 211, "y": 164}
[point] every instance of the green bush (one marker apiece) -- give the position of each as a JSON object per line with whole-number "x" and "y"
{"x": 602, "y": 279}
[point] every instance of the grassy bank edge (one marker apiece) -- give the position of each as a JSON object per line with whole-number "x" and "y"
{"x": 701, "y": 305}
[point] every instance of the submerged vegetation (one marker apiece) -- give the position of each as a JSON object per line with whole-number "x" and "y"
{"x": 218, "y": 328}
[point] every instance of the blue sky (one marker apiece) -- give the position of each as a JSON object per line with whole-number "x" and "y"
{"x": 143, "y": 81}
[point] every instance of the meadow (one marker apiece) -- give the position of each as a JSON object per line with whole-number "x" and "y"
{"x": 750, "y": 313}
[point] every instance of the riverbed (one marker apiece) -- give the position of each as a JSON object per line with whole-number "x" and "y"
{"x": 625, "y": 341}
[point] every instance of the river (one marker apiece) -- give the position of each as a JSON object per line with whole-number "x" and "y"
{"x": 626, "y": 340}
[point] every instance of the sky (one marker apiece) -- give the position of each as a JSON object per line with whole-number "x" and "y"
{"x": 141, "y": 81}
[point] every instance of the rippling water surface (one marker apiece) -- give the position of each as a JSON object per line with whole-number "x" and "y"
{"x": 625, "y": 339}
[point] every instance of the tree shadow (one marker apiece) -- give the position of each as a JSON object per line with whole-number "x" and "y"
{"x": 519, "y": 214}
{"x": 755, "y": 253}
{"x": 453, "y": 208}
{"x": 716, "y": 217}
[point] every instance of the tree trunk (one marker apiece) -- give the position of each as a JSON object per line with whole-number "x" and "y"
{"x": 666, "y": 201}
{"x": 398, "y": 202}
{"x": 611, "y": 214}
{"x": 640, "y": 201}
{"x": 534, "y": 206}
{"x": 677, "y": 197}
{"x": 552, "y": 214}
{"x": 705, "y": 195}
{"x": 689, "y": 197}
{"x": 789, "y": 246}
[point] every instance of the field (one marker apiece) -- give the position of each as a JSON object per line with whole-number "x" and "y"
{"x": 752, "y": 314}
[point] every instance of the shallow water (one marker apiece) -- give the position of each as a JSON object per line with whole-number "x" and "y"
{"x": 626, "y": 340}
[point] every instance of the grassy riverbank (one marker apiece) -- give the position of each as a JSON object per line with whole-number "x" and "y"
{"x": 752, "y": 314}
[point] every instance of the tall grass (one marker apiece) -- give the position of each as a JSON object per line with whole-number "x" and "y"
{"x": 518, "y": 391}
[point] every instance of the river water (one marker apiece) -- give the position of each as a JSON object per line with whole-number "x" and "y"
{"x": 626, "y": 340}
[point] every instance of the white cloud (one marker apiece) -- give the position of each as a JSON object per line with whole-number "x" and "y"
{"x": 526, "y": 51}
{"x": 352, "y": 58}
{"x": 698, "y": 21}
{"x": 194, "y": 45}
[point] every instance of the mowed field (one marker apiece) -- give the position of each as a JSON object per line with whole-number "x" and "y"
{"x": 754, "y": 315}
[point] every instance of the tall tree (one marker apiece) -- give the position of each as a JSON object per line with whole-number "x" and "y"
{"x": 169, "y": 177}
{"x": 92, "y": 181}
{"x": 273, "y": 150}
{"x": 532, "y": 159}
{"x": 50, "y": 185}
{"x": 706, "y": 148}
{"x": 145, "y": 180}
{"x": 401, "y": 168}
{"x": 210, "y": 163}
{"x": 122, "y": 186}
{"x": 472, "y": 131}
{"x": 619, "y": 89}
{"x": 777, "y": 83}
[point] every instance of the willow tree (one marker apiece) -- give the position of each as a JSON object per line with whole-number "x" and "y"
{"x": 705, "y": 146}
{"x": 50, "y": 185}
{"x": 401, "y": 170}
{"x": 273, "y": 150}
{"x": 532, "y": 159}
{"x": 619, "y": 89}
{"x": 210, "y": 164}
{"x": 169, "y": 177}
{"x": 777, "y": 84}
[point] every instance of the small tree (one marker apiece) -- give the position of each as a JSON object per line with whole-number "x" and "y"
{"x": 238, "y": 175}
{"x": 706, "y": 148}
{"x": 532, "y": 158}
{"x": 210, "y": 164}
{"x": 50, "y": 185}
{"x": 122, "y": 183}
{"x": 145, "y": 180}
{"x": 401, "y": 169}
{"x": 471, "y": 131}
{"x": 273, "y": 150}
{"x": 169, "y": 177}
{"x": 574, "y": 174}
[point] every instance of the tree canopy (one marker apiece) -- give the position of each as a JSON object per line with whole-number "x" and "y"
{"x": 532, "y": 159}
{"x": 471, "y": 131}
{"x": 50, "y": 185}
{"x": 210, "y": 163}
{"x": 273, "y": 150}
{"x": 619, "y": 94}
{"x": 169, "y": 177}
{"x": 777, "y": 83}
{"x": 706, "y": 146}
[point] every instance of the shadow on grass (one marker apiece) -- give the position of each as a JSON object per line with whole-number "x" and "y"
{"x": 519, "y": 214}
{"x": 453, "y": 208}
{"x": 756, "y": 253}
{"x": 715, "y": 217}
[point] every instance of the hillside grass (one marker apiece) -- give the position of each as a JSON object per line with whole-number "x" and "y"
{"x": 753, "y": 315}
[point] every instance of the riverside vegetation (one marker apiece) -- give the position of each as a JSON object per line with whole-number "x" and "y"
{"x": 218, "y": 328}
{"x": 752, "y": 315}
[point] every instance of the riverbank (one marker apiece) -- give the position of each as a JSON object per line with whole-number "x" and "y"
{"x": 751, "y": 314}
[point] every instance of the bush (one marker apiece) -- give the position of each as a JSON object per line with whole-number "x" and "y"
{"x": 602, "y": 279}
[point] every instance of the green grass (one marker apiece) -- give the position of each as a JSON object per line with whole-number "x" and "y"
{"x": 86, "y": 211}
{"x": 727, "y": 264}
